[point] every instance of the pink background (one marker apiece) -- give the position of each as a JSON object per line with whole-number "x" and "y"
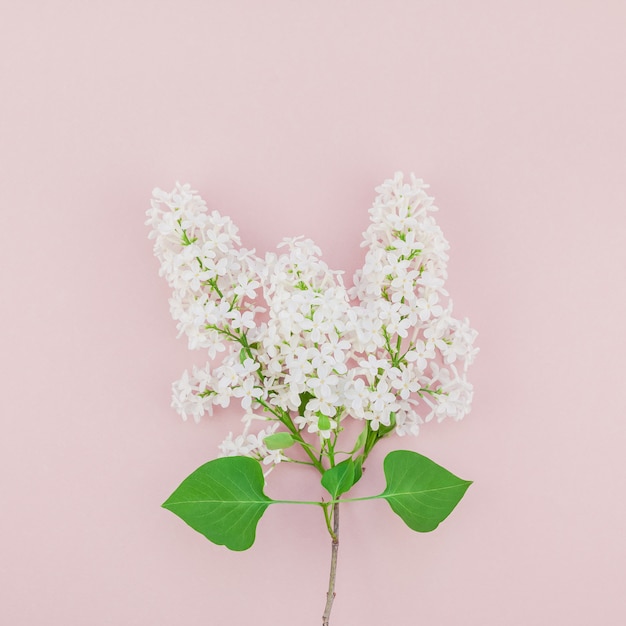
{"x": 285, "y": 115}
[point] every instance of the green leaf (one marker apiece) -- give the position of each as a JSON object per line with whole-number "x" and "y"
{"x": 421, "y": 492}
{"x": 358, "y": 469}
{"x": 304, "y": 400}
{"x": 323, "y": 421}
{"x": 279, "y": 441}
{"x": 223, "y": 500}
{"x": 360, "y": 440}
{"x": 339, "y": 479}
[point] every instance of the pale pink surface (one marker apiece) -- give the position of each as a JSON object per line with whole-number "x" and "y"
{"x": 285, "y": 115}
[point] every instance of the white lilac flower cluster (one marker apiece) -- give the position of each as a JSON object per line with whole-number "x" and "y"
{"x": 302, "y": 352}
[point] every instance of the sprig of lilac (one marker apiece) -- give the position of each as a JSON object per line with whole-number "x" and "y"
{"x": 304, "y": 355}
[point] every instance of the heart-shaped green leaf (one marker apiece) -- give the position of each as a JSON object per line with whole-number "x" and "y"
{"x": 339, "y": 479}
{"x": 421, "y": 492}
{"x": 224, "y": 500}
